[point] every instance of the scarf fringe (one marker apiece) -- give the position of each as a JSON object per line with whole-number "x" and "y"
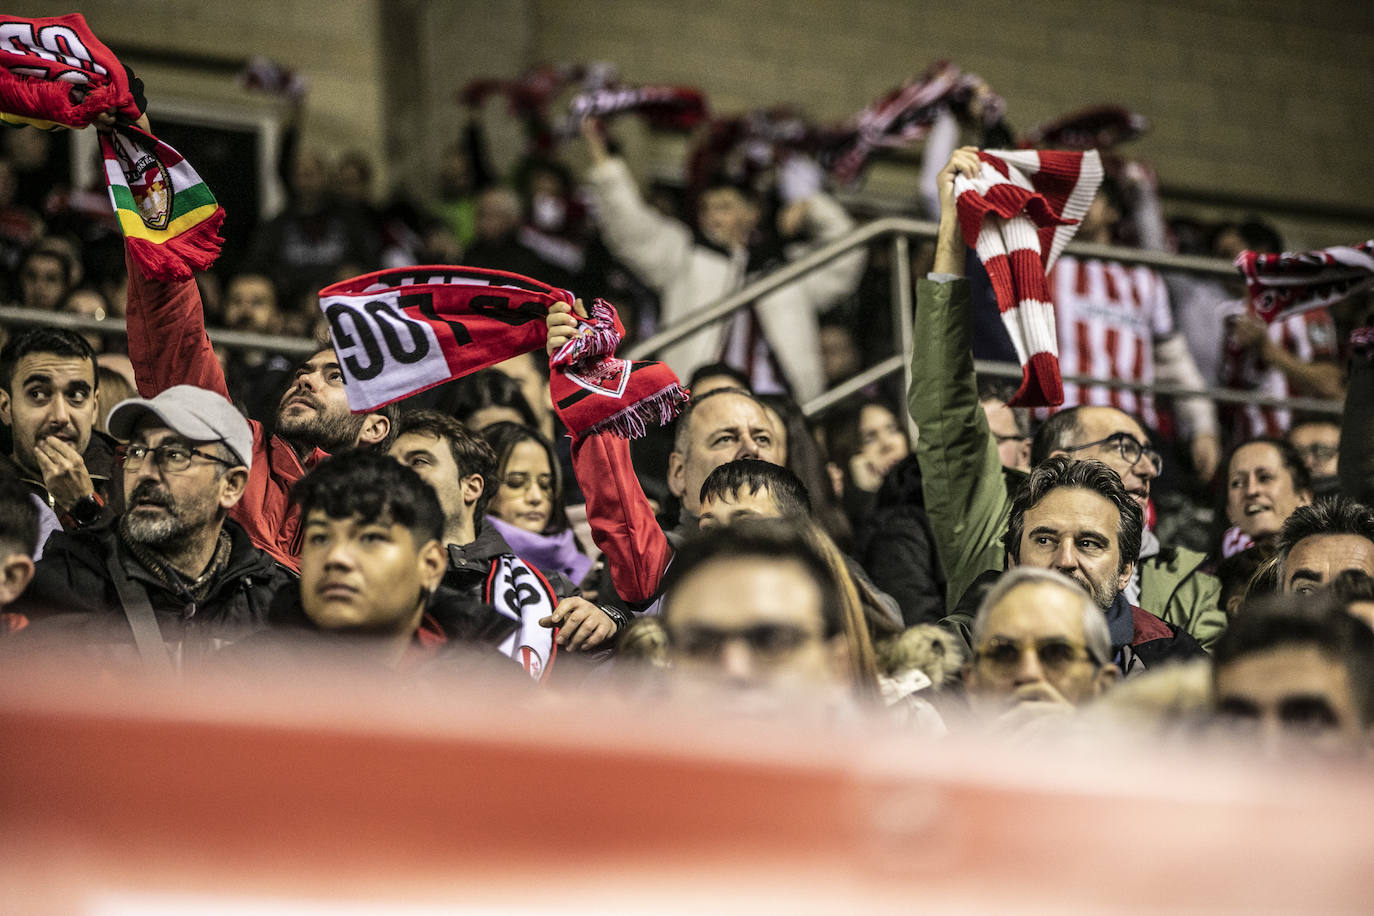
{"x": 599, "y": 338}
{"x": 179, "y": 257}
{"x": 631, "y": 422}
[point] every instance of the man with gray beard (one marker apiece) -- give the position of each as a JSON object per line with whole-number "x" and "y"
{"x": 173, "y": 577}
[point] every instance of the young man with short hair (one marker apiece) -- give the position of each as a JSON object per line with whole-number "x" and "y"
{"x": 461, "y": 468}
{"x": 49, "y": 399}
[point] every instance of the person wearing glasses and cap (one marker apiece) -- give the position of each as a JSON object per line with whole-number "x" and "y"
{"x": 966, "y": 496}
{"x": 172, "y": 575}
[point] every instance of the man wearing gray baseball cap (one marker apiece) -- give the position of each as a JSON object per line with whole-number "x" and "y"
{"x": 183, "y": 577}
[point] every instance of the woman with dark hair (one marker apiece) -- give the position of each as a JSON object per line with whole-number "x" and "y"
{"x": 1266, "y": 480}
{"x": 865, "y": 440}
{"x": 527, "y": 501}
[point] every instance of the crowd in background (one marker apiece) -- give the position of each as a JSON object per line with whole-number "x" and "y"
{"x": 1156, "y": 550}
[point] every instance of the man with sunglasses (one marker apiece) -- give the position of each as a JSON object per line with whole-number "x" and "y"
{"x": 172, "y": 575}
{"x": 968, "y": 499}
{"x": 1040, "y": 646}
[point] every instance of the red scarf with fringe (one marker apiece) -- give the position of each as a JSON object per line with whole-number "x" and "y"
{"x": 398, "y": 332}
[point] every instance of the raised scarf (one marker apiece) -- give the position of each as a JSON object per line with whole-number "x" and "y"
{"x": 905, "y": 115}
{"x": 1281, "y": 285}
{"x": 398, "y": 332}
{"x": 55, "y": 73}
{"x": 1018, "y": 213}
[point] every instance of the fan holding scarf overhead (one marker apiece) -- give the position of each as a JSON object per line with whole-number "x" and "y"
{"x": 55, "y": 73}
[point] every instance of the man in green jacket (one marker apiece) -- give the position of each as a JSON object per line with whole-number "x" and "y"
{"x": 965, "y": 492}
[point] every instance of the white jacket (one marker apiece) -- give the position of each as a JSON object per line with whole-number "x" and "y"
{"x": 687, "y": 276}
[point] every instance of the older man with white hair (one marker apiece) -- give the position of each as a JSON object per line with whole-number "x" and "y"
{"x": 1040, "y": 645}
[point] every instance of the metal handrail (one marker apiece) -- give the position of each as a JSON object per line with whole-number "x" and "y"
{"x": 898, "y": 229}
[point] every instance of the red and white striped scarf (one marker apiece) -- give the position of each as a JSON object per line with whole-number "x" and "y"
{"x": 1018, "y": 213}
{"x": 1281, "y": 285}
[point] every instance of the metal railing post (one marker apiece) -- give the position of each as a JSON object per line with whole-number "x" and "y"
{"x": 902, "y": 319}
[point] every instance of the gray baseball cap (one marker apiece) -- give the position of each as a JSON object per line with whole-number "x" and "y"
{"x": 197, "y": 414}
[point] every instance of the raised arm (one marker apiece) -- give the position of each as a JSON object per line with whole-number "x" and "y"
{"x": 167, "y": 340}
{"x": 961, "y": 472}
{"x": 655, "y": 247}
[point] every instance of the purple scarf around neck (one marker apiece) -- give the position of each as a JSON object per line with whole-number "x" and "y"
{"x": 552, "y": 553}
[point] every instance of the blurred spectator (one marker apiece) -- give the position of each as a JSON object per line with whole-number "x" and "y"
{"x": 256, "y": 378}
{"x": 1041, "y": 648}
{"x": 46, "y": 273}
{"x": 305, "y": 246}
{"x": 805, "y": 458}
{"x": 896, "y": 546}
{"x": 18, "y": 541}
{"x": 1236, "y": 574}
{"x": 1355, "y": 591}
{"x": 115, "y": 388}
{"x": 776, "y": 341}
{"x": 1010, "y": 426}
{"x": 1318, "y": 441}
{"x": 755, "y": 622}
{"x": 500, "y": 245}
{"x": 864, "y": 439}
{"x": 1293, "y": 676}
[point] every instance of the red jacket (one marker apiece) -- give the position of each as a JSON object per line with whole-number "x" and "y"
{"x": 623, "y": 524}
{"x": 168, "y": 346}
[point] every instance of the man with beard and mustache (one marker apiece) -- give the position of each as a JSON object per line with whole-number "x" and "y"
{"x": 173, "y": 565}
{"x": 968, "y": 496}
{"x": 1076, "y": 518}
{"x": 49, "y": 400}
{"x": 168, "y": 346}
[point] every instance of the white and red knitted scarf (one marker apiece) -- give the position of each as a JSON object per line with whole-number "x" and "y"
{"x": 398, "y": 332}
{"x": 1280, "y": 285}
{"x": 1018, "y": 213}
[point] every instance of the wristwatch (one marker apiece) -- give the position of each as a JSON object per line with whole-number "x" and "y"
{"x": 86, "y": 511}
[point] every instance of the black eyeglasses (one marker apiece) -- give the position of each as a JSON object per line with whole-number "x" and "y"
{"x": 167, "y": 457}
{"x": 1130, "y": 447}
{"x": 1003, "y": 656}
{"x": 1318, "y": 452}
{"x": 769, "y": 642}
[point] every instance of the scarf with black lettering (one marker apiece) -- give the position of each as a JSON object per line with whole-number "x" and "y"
{"x": 519, "y": 591}
{"x": 398, "y": 332}
{"x": 1282, "y": 285}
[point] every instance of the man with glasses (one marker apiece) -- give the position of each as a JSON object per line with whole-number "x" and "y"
{"x": 966, "y": 496}
{"x": 753, "y": 618}
{"x": 172, "y": 575}
{"x": 1040, "y": 647}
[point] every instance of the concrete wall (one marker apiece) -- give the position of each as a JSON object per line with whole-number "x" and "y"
{"x": 1258, "y": 97}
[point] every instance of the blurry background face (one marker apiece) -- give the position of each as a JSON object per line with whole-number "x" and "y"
{"x": 726, "y": 217}
{"x": 1030, "y": 615}
{"x": 1319, "y": 445}
{"x": 749, "y": 633}
{"x": 42, "y": 282}
{"x": 251, "y": 305}
{"x": 1259, "y": 491}
{"x": 881, "y": 438}
{"x": 524, "y": 494}
{"x": 1290, "y": 698}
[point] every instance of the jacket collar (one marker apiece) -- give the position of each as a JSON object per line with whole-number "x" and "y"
{"x": 478, "y": 554}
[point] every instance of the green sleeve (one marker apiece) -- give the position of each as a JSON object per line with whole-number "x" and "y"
{"x": 961, "y": 472}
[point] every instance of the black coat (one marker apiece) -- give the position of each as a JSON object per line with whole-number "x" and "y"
{"x": 72, "y": 596}
{"x": 897, "y": 547}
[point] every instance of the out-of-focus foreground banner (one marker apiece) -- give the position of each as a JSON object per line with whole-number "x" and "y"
{"x": 342, "y": 794}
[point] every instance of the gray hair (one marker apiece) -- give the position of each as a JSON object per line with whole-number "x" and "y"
{"x": 1096, "y": 637}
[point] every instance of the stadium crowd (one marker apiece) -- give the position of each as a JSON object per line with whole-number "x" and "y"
{"x": 173, "y": 506}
